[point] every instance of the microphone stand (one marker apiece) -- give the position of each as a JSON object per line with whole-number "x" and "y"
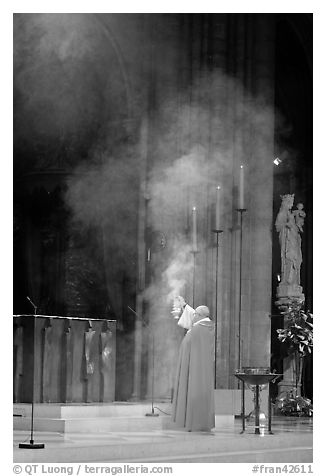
{"x": 152, "y": 414}
{"x": 31, "y": 444}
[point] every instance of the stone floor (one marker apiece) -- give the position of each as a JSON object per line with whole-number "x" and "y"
{"x": 291, "y": 442}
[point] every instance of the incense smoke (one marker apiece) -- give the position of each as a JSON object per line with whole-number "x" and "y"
{"x": 73, "y": 100}
{"x": 80, "y": 103}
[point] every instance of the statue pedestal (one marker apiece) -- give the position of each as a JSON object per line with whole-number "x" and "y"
{"x": 289, "y": 378}
{"x": 289, "y": 291}
{"x": 287, "y": 294}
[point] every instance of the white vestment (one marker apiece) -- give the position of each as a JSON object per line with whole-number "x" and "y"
{"x": 187, "y": 317}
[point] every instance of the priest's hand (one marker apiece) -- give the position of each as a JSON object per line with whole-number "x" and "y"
{"x": 178, "y": 306}
{"x": 179, "y": 301}
{"x": 176, "y": 312}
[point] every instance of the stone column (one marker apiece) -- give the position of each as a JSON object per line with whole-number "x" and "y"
{"x": 251, "y": 122}
{"x": 260, "y": 203}
{"x": 141, "y": 264}
{"x": 246, "y": 130}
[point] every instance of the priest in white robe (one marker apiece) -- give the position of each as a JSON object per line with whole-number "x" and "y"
{"x": 193, "y": 396}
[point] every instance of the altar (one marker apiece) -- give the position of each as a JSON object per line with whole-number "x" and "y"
{"x": 63, "y": 359}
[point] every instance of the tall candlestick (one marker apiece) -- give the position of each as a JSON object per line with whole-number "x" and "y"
{"x": 241, "y": 188}
{"x": 194, "y": 229}
{"x": 217, "y": 208}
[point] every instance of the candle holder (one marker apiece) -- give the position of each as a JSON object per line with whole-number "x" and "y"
{"x": 217, "y": 232}
{"x": 194, "y": 253}
{"x": 241, "y": 211}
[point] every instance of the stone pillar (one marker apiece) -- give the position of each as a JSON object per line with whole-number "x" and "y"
{"x": 243, "y": 129}
{"x": 252, "y": 141}
{"x": 141, "y": 256}
{"x": 258, "y": 261}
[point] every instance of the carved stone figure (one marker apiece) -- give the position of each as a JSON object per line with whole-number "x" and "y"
{"x": 289, "y": 226}
{"x": 299, "y": 216}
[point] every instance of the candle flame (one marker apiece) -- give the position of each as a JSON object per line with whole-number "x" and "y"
{"x": 241, "y": 166}
{"x": 194, "y": 209}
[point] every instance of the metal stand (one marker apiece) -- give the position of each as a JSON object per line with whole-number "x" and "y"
{"x": 31, "y": 444}
{"x": 241, "y": 211}
{"x": 256, "y": 380}
{"x": 152, "y": 414}
{"x": 257, "y": 410}
{"x": 194, "y": 252}
{"x": 269, "y": 411}
{"x": 243, "y": 416}
{"x": 217, "y": 232}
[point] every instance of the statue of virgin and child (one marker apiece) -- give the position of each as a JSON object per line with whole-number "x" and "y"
{"x": 289, "y": 225}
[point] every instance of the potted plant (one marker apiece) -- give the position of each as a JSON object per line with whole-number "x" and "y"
{"x": 297, "y": 337}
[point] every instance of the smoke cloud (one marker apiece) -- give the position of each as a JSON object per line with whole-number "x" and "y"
{"x": 72, "y": 106}
{"x": 70, "y": 90}
{"x": 65, "y": 71}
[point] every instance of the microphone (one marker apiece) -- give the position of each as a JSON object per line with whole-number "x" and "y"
{"x": 132, "y": 310}
{"x": 35, "y": 307}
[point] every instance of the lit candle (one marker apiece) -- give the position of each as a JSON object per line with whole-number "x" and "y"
{"x": 217, "y": 208}
{"x": 241, "y": 188}
{"x": 194, "y": 229}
